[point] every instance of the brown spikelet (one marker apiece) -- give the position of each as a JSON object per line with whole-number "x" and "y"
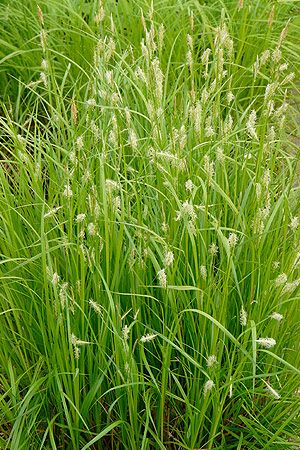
{"x": 100, "y": 14}
{"x": 271, "y": 17}
{"x": 192, "y": 23}
{"x": 40, "y": 16}
{"x": 143, "y": 21}
{"x": 283, "y": 34}
{"x": 74, "y": 111}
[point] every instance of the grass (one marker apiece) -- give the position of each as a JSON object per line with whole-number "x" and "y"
{"x": 149, "y": 202}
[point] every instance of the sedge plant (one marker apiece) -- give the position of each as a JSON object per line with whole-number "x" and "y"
{"x": 149, "y": 211}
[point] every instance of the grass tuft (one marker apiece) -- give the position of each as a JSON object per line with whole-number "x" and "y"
{"x": 149, "y": 225}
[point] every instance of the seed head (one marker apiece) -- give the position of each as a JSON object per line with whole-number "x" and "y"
{"x": 74, "y": 111}
{"x": 189, "y": 185}
{"x": 161, "y": 33}
{"x": 91, "y": 103}
{"x": 209, "y": 168}
{"x": 243, "y": 317}
{"x": 276, "y": 316}
{"x": 52, "y": 212}
{"x": 266, "y": 342}
{"x": 203, "y": 272}
{"x": 111, "y": 186}
{"x": 77, "y": 342}
{"x": 205, "y": 61}
{"x": 230, "y": 97}
{"x": 230, "y": 394}
{"x": 211, "y": 361}
{"x": 205, "y": 93}
{"x": 270, "y": 91}
{"x": 99, "y": 17}
{"x": 148, "y": 337}
{"x": 294, "y": 223}
{"x": 140, "y": 74}
{"x": 40, "y": 16}
{"x": 272, "y": 392}
{"x": 76, "y": 352}
{"x": 256, "y": 67}
{"x": 189, "y": 59}
{"x": 283, "y": 67}
{"x": 73, "y": 339}
{"x": 125, "y": 333}
{"x": 116, "y": 203}
{"x": 281, "y": 279}
{"x": 220, "y": 155}
{"x": 187, "y": 210}
{"x": 115, "y": 98}
{"x": 44, "y": 65}
{"x": 159, "y": 78}
{"x": 228, "y": 124}
{"x": 209, "y": 130}
{"x": 208, "y": 387}
{"x": 92, "y": 229}
{"x": 196, "y": 114}
{"x": 80, "y": 217}
{"x": 276, "y": 55}
{"x": 264, "y": 57}
{"x": 44, "y": 79}
{"x": 63, "y": 294}
{"x": 250, "y": 125}
{"x": 43, "y": 40}
{"x": 132, "y": 139}
{"x": 290, "y": 287}
{"x": 232, "y": 240}
{"x": 110, "y": 49}
{"x": 164, "y": 227}
{"x": 213, "y": 249}
{"x": 182, "y": 137}
{"x": 162, "y": 278}
{"x": 95, "y": 306}
{"x": 79, "y": 142}
{"x": 258, "y": 190}
{"x": 55, "y": 279}
{"x": 68, "y": 193}
{"x": 296, "y": 261}
{"x": 289, "y": 78}
{"x": 169, "y": 258}
{"x": 267, "y": 178}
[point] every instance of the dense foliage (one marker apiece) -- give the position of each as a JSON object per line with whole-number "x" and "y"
{"x": 149, "y": 229}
